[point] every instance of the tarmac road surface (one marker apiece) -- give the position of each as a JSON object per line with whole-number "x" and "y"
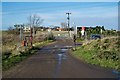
{"x": 55, "y": 61}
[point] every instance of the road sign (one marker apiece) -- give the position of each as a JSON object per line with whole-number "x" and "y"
{"x": 83, "y": 28}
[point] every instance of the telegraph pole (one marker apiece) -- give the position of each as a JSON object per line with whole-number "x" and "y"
{"x": 31, "y": 31}
{"x": 68, "y": 18}
{"x": 20, "y": 26}
{"x": 20, "y": 33}
{"x": 33, "y": 26}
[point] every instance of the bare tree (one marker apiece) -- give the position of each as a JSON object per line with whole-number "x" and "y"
{"x": 34, "y": 22}
{"x": 10, "y": 28}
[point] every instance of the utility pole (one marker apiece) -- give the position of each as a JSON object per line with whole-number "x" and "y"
{"x": 75, "y": 29}
{"x": 31, "y": 31}
{"x": 33, "y": 26}
{"x": 68, "y": 18}
{"x": 21, "y": 31}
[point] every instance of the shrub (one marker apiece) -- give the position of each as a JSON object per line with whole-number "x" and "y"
{"x": 106, "y": 41}
{"x": 6, "y": 55}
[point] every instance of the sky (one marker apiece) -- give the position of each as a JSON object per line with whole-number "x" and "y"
{"x": 53, "y": 13}
{"x": 60, "y": 0}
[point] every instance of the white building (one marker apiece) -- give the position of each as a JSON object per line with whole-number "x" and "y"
{"x": 26, "y": 29}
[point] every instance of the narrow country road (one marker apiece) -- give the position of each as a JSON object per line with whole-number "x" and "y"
{"x": 55, "y": 61}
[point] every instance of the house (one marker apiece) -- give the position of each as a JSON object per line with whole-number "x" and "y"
{"x": 26, "y": 28}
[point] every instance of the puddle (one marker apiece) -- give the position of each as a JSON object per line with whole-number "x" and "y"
{"x": 60, "y": 57}
{"x": 63, "y": 50}
{"x": 58, "y": 65}
{"x": 56, "y": 46}
{"x": 64, "y": 57}
{"x": 68, "y": 47}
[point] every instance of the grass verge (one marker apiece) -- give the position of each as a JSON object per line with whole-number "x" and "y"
{"x": 12, "y": 60}
{"x": 98, "y": 53}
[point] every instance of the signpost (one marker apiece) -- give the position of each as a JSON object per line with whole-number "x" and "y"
{"x": 83, "y": 28}
{"x": 74, "y": 38}
{"x": 75, "y": 29}
{"x": 83, "y": 31}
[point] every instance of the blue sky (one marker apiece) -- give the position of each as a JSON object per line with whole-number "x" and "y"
{"x": 60, "y": 0}
{"x": 53, "y": 13}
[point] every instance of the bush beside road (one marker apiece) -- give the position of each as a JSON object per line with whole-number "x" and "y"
{"x": 12, "y": 60}
{"x": 103, "y": 52}
{"x": 13, "y": 52}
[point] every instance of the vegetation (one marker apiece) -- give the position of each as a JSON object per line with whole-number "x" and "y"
{"x": 12, "y": 50}
{"x": 104, "y": 52}
{"x": 98, "y": 30}
{"x": 79, "y": 40}
{"x": 9, "y": 59}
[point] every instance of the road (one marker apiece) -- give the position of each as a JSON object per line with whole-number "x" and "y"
{"x": 55, "y": 61}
